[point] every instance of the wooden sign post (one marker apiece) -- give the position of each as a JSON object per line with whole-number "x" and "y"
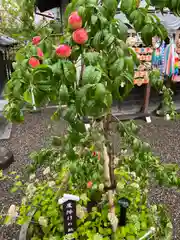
{"x": 124, "y": 204}
{"x": 69, "y": 210}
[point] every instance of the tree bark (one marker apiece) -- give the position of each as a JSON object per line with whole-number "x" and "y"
{"x": 108, "y": 165}
{"x": 107, "y": 129}
{"x": 108, "y": 179}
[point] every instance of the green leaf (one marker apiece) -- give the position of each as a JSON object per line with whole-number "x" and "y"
{"x": 18, "y": 184}
{"x": 47, "y": 62}
{"x": 79, "y": 126}
{"x": 121, "y": 92}
{"x": 28, "y": 96}
{"x": 134, "y": 56}
{"x": 48, "y": 48}
{"x": 129, "y": 64}
{"x": 92, "y": 2}
{"x": 70, "y": 114}
{"x": 14, "y": 65}
{"x": 154, "y": 17}
{"x": 119, "y": 52}
{"x": 82, "y": 11}
{"x": 81, "y": 97}
{"x": 117, "y": 67}
{"x": 147, "y": 33}
{"x": 123, "y": 46}
{"x": 44, "y": 67}
{"x": 128, "y": 6}
{"x": 161, "y": 32}
{"x": 42, "y": 72}
{"x": 63, "y": 93}
{"x": 169, "y": 225}
{"x": 111, "y": 5}
{"x": 28, "y": 76}
{"x": 24, "y": 64}
{"x": 160, "y": 3}
{"x": 103, "y": 21}
{"x": 7, "y": 220}
{"x": 115, "y": 87}
{"x": 139, "y": 21}
{"x": 109, "y": 38}
{"x": 97, "y": 40}
{"x": 91, "y": 75}
{"x": 20, "y": 56}
{"x": 69, "y": 71}
{"x": 100, "y": 91}
{"x": 94, "y": 19}
{"x": 44, "y": 87}
{"x": 76, "y": 52}
{"x": 17, "y": 89}
{"x": 14, "y": 189}
{"x": 33, "y": 50}
{"x": 112, "y": 57}
{"x": 87, "y": 74}
{"x": 108, "y": 100}
{"x": 143, "y": 225}
{"x": 91, "y": 58}
{"x": 126, "y": 90}
{"x": 57, "y": 68}
{"x": 141, "y": 234}
{"x": 97, "y": 236}
{"x": 122, "y": 30}
{"x": 37, "y": 215}
{"x": 69, "y": 9}
{"x": 130, "y": 238}
{"x": 132, "y": 17}
{"x": 82, "y": 93}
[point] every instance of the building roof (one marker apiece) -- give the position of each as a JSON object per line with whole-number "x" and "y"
{"x": 7, "y": 41}
{"x": 171, "y": 22}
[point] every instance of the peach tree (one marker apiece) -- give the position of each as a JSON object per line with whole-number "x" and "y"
{"x": 81, "y": 74}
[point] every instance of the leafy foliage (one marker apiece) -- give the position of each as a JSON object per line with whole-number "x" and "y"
{"x": 17, "y": 17}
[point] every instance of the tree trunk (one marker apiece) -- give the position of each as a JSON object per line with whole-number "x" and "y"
{"x": 108, "y": 165}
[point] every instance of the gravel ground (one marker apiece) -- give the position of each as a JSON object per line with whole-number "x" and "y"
{"x": 32, "y": 135}
{"x": 164, "y": 137}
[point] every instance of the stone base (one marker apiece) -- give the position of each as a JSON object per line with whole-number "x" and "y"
{"x": 5, "y": 128}
{"x": 6, "y": 158}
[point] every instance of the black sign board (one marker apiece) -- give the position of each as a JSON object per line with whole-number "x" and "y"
{"x": 124, "y": 204}
{"x": 69, "y": 209}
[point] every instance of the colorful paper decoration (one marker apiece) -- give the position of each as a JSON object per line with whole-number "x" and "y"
{"x": 169, "y": 64}
{"x": 141, "y": 74}
{"x": 176, "y": 66}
